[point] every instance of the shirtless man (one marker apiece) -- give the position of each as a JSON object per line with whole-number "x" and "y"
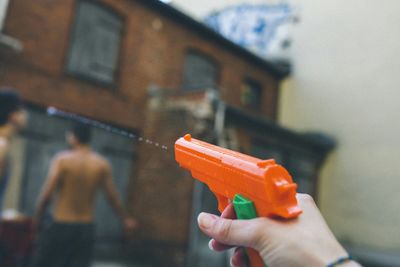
{"x": 12, "y": 120}
{"x": 75, "y": 176}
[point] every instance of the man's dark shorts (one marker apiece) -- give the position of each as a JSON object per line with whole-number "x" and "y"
{"x": 65, "y": 245}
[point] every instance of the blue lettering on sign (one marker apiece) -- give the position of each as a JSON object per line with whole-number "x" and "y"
{"x": 259, "y": 28}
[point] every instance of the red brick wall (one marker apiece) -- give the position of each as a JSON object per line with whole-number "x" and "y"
{"x": 44, "y": 28}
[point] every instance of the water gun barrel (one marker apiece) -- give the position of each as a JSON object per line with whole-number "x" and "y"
{"x": 240, "y": 178}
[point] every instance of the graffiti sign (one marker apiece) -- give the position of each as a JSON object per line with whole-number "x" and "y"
{"x": 263, "y": 29}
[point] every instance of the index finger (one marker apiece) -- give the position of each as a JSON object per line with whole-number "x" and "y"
{"x": 228, "y": 213}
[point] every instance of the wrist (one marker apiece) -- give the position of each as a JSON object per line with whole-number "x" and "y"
{"x": 330, "y": 257}
{"x": 38, "y": 215}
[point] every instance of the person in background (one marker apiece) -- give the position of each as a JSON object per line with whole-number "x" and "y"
{"x": 13, "y": 118}
{"x": 306, "y": 241}
{"x": 75, "y": 176}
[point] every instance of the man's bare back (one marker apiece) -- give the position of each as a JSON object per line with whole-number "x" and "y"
{"x": 74, "y": 178}
{"x": 82, "y": 174}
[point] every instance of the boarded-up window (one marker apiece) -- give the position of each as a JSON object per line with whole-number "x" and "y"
{"x": 200, "y": 72}
{"x": 95, "y": 43}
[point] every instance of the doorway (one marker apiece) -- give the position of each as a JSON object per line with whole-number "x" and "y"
{"x": 44, "y": 137}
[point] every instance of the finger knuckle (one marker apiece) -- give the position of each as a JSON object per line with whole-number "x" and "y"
{"x": 223, "y": 230}
{"x": 306, "y": 198}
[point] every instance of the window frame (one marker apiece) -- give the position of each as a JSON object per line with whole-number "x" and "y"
{"x": 249, "y": 81}
{"x": 209, "y": 58}
{"x": 73, "y": 35}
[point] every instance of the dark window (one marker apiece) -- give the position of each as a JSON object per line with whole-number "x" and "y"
{"x": 301, "y": 164}
{"x": 304, "y": 169}
{"x": 95, "y": 43}
{"x": 200, "y": 72}
{"x": 263, "y": 151}
{"x": 252, "y": 94}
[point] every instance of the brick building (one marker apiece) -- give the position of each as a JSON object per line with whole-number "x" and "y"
{"x": 100, "y": 59}
{"x": 148, "y": 42}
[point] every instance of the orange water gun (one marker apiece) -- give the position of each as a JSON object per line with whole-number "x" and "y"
{"x": 257, "y": 188}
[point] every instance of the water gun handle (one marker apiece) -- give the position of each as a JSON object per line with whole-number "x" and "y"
{"x": 245, "y": 210}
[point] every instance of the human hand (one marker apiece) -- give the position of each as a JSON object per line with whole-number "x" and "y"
{"x": 304, "y": 241}
{"x": 130, "y": 224}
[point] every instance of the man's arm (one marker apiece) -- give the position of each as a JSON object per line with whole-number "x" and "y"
{"x": 115, "y": 200}
{"x": 3, "y": 154}
{"x": 111, "y": 192}
{"x": 52, "y": 181}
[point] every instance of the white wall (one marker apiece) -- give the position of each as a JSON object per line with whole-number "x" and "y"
{"x": 347, "y": 83}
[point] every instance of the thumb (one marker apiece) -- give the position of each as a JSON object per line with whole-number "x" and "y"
{"x": 246, "y": 233}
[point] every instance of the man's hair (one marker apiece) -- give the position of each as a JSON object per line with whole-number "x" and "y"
{"x": 10, "y": 102}
{"x": 82, "y": 133}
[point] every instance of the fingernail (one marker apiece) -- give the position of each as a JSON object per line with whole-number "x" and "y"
{"x": 210, "y": 245}
{"x": 205, "y": 220}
